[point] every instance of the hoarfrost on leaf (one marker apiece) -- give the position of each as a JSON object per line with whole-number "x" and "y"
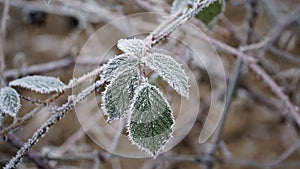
{"x": 9, "y": 101}
{"x": 170, "y": 71}
{"x": 119, "y": 93}
{"x": 133, "y": 47}
{"x": 40, "y": 84}
{"x": 151, "y": 122}
{"x": 116, "y": 65}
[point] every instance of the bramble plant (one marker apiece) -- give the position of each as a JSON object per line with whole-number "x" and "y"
{"x": 150, "y": 121}
{"x": 129, "y": 94}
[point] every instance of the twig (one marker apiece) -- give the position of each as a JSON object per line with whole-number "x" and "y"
{"x": 77, "y": 135}
{"x": 175, "y": 22}
{"x": 274, "y": 34}
{"x": 285, "y": 21}
{"x": 80, "y": 10}
{"x": 47, "y": 67}
{"x": 31, "y": 114}
{"x": 270, "y": 47}
{"x": 59, "y": 114}
{"x": 249, "y": 24}
{"x": 36, "y": 158}
{"x": 2, "y": 41}
{"x": 250, "y": 62}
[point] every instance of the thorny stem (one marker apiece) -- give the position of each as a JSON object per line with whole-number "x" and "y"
{"x": 59, "y": 114}
{"x": 170, "y": 25}
{"x": 178, "y": 21}
{"x": 34, "y": 156}
{"x": 233, "y": 81}
{"x": 71, "y": 84}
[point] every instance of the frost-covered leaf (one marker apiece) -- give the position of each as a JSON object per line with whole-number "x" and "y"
{"x": 178, "y": 5}
{"x": 151, "y": 122}
{"x": 119, "y": 93}
{"x": 9, "y": 101}
{"x": 210, "y": 13}
{"x": 133, "y": 47}
{"x": 116, "y": 65}
{"x": 40, "y": 84}
{"x": 170, "y": 71}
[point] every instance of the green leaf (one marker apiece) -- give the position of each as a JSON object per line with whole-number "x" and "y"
{"x": 210, "y": 13}
{"x": 151, "y": 121}
{"x": 9, "y": 101}
{"x": 116, "y": 65}
{"x": 169, "y": 70}
{"x": 118, "y": 95}
{"x": 40, "y": 84}
{"x": 133, "y": 47}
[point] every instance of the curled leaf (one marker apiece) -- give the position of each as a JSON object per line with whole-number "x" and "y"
{"x": 151, "y": 121}
{"x": 9, "y": 101}
{"x": 40, "y": 84}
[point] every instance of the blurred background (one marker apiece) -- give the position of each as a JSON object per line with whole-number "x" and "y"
{"x": 258, "y": 131}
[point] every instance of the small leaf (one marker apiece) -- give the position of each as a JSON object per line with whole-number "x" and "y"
{"x": 116, "y": 65}
{"x": 169, "y": 70}
{"x": 133, "y": 47}
{"x": 151, "y": 120}
{"x": 119, "y": 93}
{"x": 210, "y": 13}
{"x": 9, "y": 101}
{"x": 40, "y": 84}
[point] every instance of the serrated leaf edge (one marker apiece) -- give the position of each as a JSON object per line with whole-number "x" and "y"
{"x": 109, "y": 120}
{"x": 129, "y": 53}
{"x": 144, "y": 60}
{"x": 102, "y": 76}
{"x": 59, "y": 90}
{"x": 129, "y": 119}
{"x": 18, "y": 103}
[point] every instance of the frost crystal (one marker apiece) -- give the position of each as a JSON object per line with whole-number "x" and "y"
{"x": 116, "y": 65}
{"x": 40, "y": 84}
{"x": 177, "y": 5}
{"x": 119, "y": 93}
{"x": 9, "y": 101}
{"x": 151, "y": 121}
{"x": 170, "y": 71}
{"x": 133, "y": 47}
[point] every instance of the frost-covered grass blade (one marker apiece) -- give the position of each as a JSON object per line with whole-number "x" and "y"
{"x": 151, "y": 121}
{"x": 119, "y": 93}
{"x": 133, "y": 47}
{"x": 9, "y": 101}
{"x": 170, "y": 71}
{"x": 40, "y": 84}
{"x": 116, "y": 65}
